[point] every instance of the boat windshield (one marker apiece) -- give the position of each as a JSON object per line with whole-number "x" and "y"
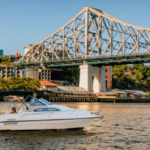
{"x": 45, "y": 101}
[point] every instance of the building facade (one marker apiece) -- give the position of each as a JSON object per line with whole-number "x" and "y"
{"x": 8, "y": 71}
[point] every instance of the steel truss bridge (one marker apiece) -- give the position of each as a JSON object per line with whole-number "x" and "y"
{"x": 92, "y": 37}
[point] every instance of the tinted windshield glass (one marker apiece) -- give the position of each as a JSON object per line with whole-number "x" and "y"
{"x": 46, "y": 102}
{"x": 37, "y": 103}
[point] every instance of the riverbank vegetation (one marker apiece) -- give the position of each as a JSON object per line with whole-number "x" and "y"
{"x": 135, "y": 77}
{"x": 16, "y": 83}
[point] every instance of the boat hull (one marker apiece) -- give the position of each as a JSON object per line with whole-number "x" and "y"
{"x": 46, "y": 124}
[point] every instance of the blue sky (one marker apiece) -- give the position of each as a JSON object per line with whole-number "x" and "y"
{"x": 24, "y": 22}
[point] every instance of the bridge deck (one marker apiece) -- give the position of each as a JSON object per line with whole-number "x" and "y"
{"x": 97, "y": 61}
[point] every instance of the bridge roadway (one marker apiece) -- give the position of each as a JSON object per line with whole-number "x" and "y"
{"x": 96, "y": 61}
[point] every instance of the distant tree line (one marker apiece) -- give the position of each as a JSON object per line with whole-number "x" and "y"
{"x": 17, "y": 83}
{"x": 139, "y": 78}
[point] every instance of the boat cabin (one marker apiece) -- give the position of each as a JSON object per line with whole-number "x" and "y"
{"x": 38, "y": 105}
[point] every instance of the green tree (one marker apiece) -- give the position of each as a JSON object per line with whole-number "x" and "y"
{"x": 16, "y": 83}
{"x": 138, "y": 77}
{"x": 5, "y": 61}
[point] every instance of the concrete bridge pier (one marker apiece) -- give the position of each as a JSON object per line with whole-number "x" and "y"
{"x": 92, "y": 78}
{"x": 32, "y": 73}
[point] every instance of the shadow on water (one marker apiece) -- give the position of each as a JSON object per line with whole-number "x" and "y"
{"x": 45, "y": 133}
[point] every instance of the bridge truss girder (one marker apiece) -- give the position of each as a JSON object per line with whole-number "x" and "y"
{"x": 90, "y": 34}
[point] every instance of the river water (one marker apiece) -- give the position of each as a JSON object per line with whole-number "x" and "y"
{"x": 124, "y": 126}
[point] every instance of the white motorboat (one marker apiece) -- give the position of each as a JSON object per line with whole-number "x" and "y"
{"x": 41, "y": 115}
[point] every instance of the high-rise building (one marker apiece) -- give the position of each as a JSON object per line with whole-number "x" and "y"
{"x": 1, "y": 52}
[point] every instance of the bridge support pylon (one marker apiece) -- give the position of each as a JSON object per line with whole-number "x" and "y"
{"x": 32, "y": 73}
{"x": 92, "y": 78}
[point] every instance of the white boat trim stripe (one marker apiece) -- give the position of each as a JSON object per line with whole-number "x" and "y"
{"x": 47, "y": 120}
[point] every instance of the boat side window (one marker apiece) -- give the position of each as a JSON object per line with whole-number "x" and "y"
{"x": 37, "y": 103}
{"x": 46, "y": 109}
